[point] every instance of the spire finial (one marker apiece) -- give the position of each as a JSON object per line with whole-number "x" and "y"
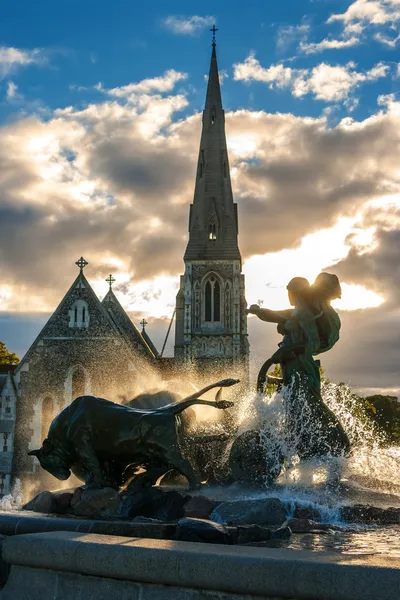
{"x": 81, "y": 263}
{"x": 143, "y": 323}
{"x": 213, "y": 30}
{"x": 110, "y": 280}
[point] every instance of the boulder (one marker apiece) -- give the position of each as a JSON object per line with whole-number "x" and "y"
{"x": 98, "y": 503}
{"x": 77, "y": 495}
{"x": 63, "y": 500}
{"x": 154, "y": 503}
{"x": 45, "y": 502}
{"x": 202, "y": 530}
{"x": 283, "y": 533}
{"x": 249, "y": 534}
{"x": 361, "y": 513}
{"x": 309, "y": 526}
{"x": 269, "y": 511}
{"x": 306, "y": 512}
{"x": 199, "y": 507}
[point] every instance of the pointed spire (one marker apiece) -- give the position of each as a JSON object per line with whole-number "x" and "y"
{"x": 213, "y": 227}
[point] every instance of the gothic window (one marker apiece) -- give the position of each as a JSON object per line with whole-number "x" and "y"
{"x": 227, "y": 307}
{"x": 212, "y": 296}
{"x": 78, "y": 382}
{"x": 8, "y": 404}
{"x": 47, "y": 415}
{"x": 2, "y": 484}
{"x": 196, "y": 311}
{"x": 201, "y": 165}
{"x": 5, "y": 442}
{"x": 213, "y": 117}
{"x": 212, "y": 231}
{"x": 79, "y": 314}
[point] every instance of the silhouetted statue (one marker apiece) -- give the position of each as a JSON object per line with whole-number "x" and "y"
{"x": 308, "y": 329}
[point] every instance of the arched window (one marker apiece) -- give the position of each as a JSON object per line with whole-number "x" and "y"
{"x": 79, "y": 314}
{"x": 47, "y": 415}
{"x": 212, "y": 231}
{"x": 227, "y": 308}
{"x": 212, "y": 297}
{"x": 197, "y": 305}
{"x": 78, "y": 383}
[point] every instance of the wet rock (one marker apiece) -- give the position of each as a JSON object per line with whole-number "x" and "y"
{"x": 98, "y": 503}
{"x": 361, "y": 513}
{"x": 248, "y": 534}
{"x": 44, "y": 502}
{"x": 306, "y": 512}
{"x": 154, "y": 503}
{"x": 199, "y": 507}
{"x": 269, "y": 511}
{"x": 283, "y": 533}
{"x": 202, "y": 530}
{"x": 310, "y": 526}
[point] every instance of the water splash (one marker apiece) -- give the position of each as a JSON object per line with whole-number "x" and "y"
{"x": 13, "y": 500}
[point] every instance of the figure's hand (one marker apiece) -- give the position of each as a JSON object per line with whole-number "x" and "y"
{"x": 253, "y": 310}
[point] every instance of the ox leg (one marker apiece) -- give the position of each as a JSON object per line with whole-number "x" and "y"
{"x": 183, "y": 466}
{"x": 89, "y": 460}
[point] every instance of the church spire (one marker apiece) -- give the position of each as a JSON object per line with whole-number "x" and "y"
{"x": 213, "y": 218}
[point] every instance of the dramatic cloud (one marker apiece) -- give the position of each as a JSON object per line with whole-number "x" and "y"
{"x": 188, "y": 25}
{"x": 113, "y": 182}
{"x": 325, "y": 82}
{"x": 13, "y": 58}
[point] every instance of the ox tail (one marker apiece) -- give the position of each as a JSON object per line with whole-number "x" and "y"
{"x": 179, "y": 407}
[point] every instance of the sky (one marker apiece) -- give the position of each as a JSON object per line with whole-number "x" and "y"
{"x": 100, "y": 116}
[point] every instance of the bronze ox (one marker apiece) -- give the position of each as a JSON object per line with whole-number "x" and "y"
{"x": 97, "y": 439}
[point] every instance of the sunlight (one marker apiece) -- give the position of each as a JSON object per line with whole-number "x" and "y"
{"x": 355, "y": 297}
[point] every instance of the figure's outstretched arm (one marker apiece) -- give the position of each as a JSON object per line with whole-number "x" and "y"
{"x": 271, "y": 316}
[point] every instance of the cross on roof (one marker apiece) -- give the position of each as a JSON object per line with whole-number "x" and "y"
{"x": 81, "y": 263}
{"x": 143, "y": 323}
{"x": 214, "y": 30}
{"x": 110, "y": 280}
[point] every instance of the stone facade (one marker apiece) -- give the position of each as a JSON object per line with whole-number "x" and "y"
{"x": 8, "y": 403}
{"x": 211, "y": 323}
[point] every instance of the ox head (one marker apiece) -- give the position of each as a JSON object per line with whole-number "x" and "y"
{"x": 53, "y": 460}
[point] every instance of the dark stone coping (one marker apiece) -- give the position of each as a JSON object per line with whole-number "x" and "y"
{"x": 16, "y": 523}
{"x": 260, "y": 572}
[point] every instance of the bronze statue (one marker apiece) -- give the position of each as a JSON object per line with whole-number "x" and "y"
{"x": 308, "y": 329}
{"x": 98, "y": 439}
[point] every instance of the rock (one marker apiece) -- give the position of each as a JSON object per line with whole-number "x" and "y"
{"x": 306, "y": 512}
{"x": 269, "y": 511}
{"x": 4, "y": 567}
{"x": 199, "y": 507}
{"x": 63, "y": 500}
{"x": 202, "y": 530}
{"x": 283, "y": 533}
{"x": 361, "y": 513}
{"x": 247, "y": 534}
{"x": 98, "y": 503}
{"x": 154, "y": 503}
{"x": 44, "y": 502}
{"x": 77, "y": 495}
{"x": 309, "y": 526}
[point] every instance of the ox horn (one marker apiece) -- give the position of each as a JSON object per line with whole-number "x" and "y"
{"x": 34, "y": 453}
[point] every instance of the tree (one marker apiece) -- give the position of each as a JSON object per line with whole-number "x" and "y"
{"x": 6, "y": 357}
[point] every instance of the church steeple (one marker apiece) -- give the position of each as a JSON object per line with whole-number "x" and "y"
{"x": 213, "y": 228}
{"x": 211, "y": 320}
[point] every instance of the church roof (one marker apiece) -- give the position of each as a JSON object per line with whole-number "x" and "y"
{"x": 126, "y": 327}
{"x": 60, "y": 325}
{"x": 213, "y": 226}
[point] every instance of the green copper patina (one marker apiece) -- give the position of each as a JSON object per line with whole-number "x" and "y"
{"x": 311, "y": 327}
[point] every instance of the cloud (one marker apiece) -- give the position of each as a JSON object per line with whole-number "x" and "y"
{"x": 325, "y": 82}
{"x": 12, "y": 93}
{"x": 164, "y": 83}
{"x": 113, "y": 182}
{"x": 188, "y": 25}
{"x": 288, "y": 35}
{"x": 362, "y": 15}
{"x": 11, "y": 59}
{"x": 329, "y": 44}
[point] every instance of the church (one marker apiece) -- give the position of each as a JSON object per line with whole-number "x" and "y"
{"x": 90, "y": 346}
